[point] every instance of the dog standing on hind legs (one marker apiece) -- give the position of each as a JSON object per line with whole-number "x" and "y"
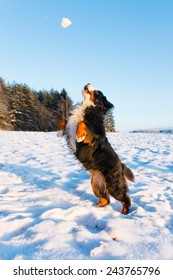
{"x": 93, "y": 150}
{"x": 86, "y": 137}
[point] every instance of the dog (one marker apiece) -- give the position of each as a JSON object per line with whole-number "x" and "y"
{"x": 86, "y": 137}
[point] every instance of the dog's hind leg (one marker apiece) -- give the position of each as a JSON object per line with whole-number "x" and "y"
{"x": 126, "y": 204}
{"x": 103, "y": 202}
{"x": 125, "y": 201}
{"x": 118, "y": 189}
{"x": 99, "y": 188}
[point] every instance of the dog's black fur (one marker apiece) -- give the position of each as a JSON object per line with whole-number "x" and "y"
{"x": 108, "y": 174}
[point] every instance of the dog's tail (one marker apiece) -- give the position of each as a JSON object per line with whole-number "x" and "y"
{"x": 128, "y": 173}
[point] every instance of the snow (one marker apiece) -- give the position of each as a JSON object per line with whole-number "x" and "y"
{"x": 47, "y": 210}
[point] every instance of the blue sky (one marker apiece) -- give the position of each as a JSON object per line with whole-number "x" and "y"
{"x": 123, "y": 47}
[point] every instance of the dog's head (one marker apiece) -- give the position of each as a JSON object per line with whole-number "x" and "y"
{"x": 97, "y": 97}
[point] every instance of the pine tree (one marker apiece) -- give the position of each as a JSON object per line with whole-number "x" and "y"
{"x": 109, "y": 122}
{"x": 5, "y": 119}
{"x": 65, "y": 105}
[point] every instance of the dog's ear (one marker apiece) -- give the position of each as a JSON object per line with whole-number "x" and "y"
{"x": 101, "y": 101}
{"x": 107, "y": 105}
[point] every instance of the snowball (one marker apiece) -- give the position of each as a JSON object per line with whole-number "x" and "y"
{"x": 65, "y": 22}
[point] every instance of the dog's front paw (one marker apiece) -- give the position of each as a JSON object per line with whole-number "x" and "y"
{"x": 80, "y": 139}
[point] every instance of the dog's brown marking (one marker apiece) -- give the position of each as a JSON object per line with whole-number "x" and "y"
{"x": 91, "y": 95}
{"x": 83, "y": 133}
{"x": 103, "y": 202}
{"x": 62, "y": 125}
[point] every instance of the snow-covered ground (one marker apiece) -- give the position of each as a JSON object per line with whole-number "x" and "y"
{"x": 46, "y": 201}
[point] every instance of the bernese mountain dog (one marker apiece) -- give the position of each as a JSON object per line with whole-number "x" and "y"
{"x": 86, "y": 137}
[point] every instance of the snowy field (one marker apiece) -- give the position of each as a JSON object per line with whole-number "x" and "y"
{"x": 46, "y": 201}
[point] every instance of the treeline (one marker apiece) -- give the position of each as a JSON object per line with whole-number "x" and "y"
{"x": 25, "y": 109}
{"x": 168, "y": 131}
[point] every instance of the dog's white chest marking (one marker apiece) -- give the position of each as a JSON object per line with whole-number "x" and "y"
{"x": 76, "y": 116}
